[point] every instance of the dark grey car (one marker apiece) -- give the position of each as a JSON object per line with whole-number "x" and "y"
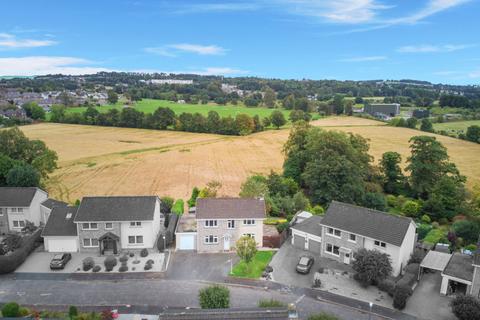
{"x": 59, "y": 261}
{"x": 305, "y": 264}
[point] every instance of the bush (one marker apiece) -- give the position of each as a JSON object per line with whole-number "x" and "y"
{"x": 123, "y": 258}
{"x": 123, "y": 268}
{"x": 88, "y": 263}
{"x": 412, "y": 268}
{"x": 147, "y": 266}
{"x": 422, "y": 230}
{"x": 371, "y": 266}
{"x": 72, "y": 312}
{"x": 466, "y": 307}
{"x": 150, "y": 261}
{"x": 12, "y": 261}
{"x": 400, "y": 297}
{"x": 282, "y": 227}
{"x": 388, "y": 286}
{"x": 471, "y": 247}
{"x": 131, "y": 254}
{"x": 11, "y": 310}
{"x": 214, "y": 297}
{"x": 407, "y": 282}
{"x": 271, "y": 304}
{"x": 144, "y": 253}
{"x": 178, "y": 207}
{"x": 268, "y": 269}
{"x": 417, "y": 256}
{"x": 110, "y": 262}
{"x": 322, "y": 316}
{"x": 23, "y": 312}
{"x": 411, "y": 208}
{"x": 166, "y": 204}
{"x": 426, "y": 219}
{"x": 96, "y": 269}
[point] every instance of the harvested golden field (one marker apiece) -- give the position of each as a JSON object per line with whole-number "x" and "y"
{"x": 120, "y": 161}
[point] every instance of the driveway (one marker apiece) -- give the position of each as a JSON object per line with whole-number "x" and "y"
{"x": 426, "y": 301}
{"x": 190, "y": 265}
{"x": 39, "y": 262}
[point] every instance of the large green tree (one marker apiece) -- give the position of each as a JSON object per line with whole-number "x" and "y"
{"x": 277, "y": 118}
{"x": 392, "y": 173}
{"x": 23, "y": 176}
{"x": 269, "y": 97}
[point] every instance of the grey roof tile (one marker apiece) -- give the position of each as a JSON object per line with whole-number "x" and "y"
{"x": 230, "y": 208}
{"x": 59, "y": 223}
{"x": 367, "y": 222}
{"x": 51, "y": 203}
{"x": 460, "y": 266}
{"x": 310, "y": 225}
{"x": 16, "y": 197}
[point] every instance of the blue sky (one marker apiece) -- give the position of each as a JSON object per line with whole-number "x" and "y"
{"x": 433, "y": 40}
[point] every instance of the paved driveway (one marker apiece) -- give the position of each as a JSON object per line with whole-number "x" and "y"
{"x": 426, "y": 301}
{"x": 39, "y": 262}
{"x": 189, "y": 265}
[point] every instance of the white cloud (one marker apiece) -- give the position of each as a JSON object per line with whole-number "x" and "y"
{"x": 41, "y": 65}
{"x": 10, "y": 41}
{"x": 428, "y": 48}
{"x": 172, "y": 50}
{"x": 364, "y": 59}
{"x": 432, "y": 7}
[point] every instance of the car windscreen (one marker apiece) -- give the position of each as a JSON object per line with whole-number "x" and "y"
{"x": 303, "y": 261}
{"x": 57, "y": 257}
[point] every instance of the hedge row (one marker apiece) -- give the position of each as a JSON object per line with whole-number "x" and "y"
{"x": 12, "y": 261}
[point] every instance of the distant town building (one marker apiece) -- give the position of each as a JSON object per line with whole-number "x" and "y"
{"x": 387, "y": 109}
{"x": 170, "y": 81}
{"x": 421, "y": 113}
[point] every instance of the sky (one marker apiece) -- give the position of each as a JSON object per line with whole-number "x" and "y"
{"x": 432, "y": 40}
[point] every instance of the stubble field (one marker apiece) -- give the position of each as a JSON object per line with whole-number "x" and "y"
{"x": 120, "y": 161}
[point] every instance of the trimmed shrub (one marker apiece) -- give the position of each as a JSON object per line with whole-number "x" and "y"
{"x": 388, "y": 286}
{"x": 271, "y": 304}
{"x": 178, "y": 207}
{"x": 150, "y": 261}
{"x": 72, "y": 312}
{"x": 88, "y": 263}
{"x": 371, "y": 266}
{"x": 214, "y": 297}
{"x": 322, "y": 316}
{"x": 148, "y": 266}
{"x": 400, "y": 296}
{"x": 123, "y": 268}
{"x": 412, "y": 268}
{"x": 110, "y": 262}
{"x": 123, "y": 258}
{"x": 268, "y": 269}
{"x": 144, "y": 253}
{"x": 466, "y": 307}
{"x": 11, "y": 310}
{"x": 407, "y": 281}
{"x": 131, "y": 254}
{"x": 23, "y": 312}
{"x": 12, "y": 261}
{"x": 96, "y": 269}
{"x": 417, "y": 256}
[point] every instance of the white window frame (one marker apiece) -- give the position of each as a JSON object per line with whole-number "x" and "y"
{"x": 90, "y": 226}
{"x": 332, "y": 232}
{"x": 19, "y": 210}
{"x": 249, "y": 222}
{"x": 333, "y": 249}
{"x": 135, "y": 224}
{"x": 231, "y": 224}
{"x": 20, "y": 224}
{"x": 3, "y": 211}
{"x": 136, "y": 241}
{"x": 91, "y": 245}
{"x": 380, "y": 244}
{"x": 211, "y": 223}
{"x": 107, "y": 228}
{"x": 350, "y": 238}
{"x": 206, "y": 239}
{"x": 13, "y": 210}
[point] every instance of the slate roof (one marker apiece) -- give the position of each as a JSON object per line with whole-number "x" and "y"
{"x": 230, "y": 208}
{"x": 366, "y": 222}
{"x": 58, "y": 224}
{"x": 460, "y": 266}
{"x": 51, "y": 203}
{"x": 16, "y": 197}
{"x": 118, "y": 208}
{"x": 310, "y": 225}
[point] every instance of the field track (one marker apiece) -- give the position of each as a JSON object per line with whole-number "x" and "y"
{"x": 120, "y": 161}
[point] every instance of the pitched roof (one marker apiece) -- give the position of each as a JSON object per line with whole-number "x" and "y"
{"x": 229, "y": 208}
{"x": 367, "y": 222}
{"x": 118, "y": 208}
{"x": 51, "y": 203}
{"x": 16, "y": 197}
{"x": 460, "y": 266}
{"x": 310, "y": 225}
{"x": 60, "y": 223}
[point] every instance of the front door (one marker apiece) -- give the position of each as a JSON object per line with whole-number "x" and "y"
{"x": 346, "y": 258}
{"x": 226, "y": 242}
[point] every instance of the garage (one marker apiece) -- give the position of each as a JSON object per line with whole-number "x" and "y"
{"x": 61, "y": 244}
{"x": 314, "y": 246}
{"x": 298, "y": 241}
{"x": 186, "y": 241}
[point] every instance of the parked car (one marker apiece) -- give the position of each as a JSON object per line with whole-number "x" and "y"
{"x": 59, "y": 261}
{"x": 304, "y": 264}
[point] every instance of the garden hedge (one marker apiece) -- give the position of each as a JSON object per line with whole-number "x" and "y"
{"x": 12, "y": 261}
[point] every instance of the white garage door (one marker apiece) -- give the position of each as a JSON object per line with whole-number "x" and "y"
{"x": 62, "y": 245}
{"x": 186, "y": 241}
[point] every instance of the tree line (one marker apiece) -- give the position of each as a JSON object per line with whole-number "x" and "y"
{"x": 165, "y": 118}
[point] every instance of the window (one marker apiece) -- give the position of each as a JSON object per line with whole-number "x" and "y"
{"x": 251, "y": 235}
{"x": 135, "y": 224}
{"x": 108, "y": 226}
{"x": 231, "y": 224}
{"x": 211, "y": 239}
{"x": 13, "y": 210}
{"x": 352, "y": 238}
{"x": 333, "y": 249}
{"x": 135, "y": 239}
{"x": 90, "y": 242}
{"x": 210, "y": 223}
{"x": 380, "y": 244}
{"x": 18, "y": 223}
{"x": 249, "y": 222}
{"x": 334, "y": 232}
{"x": 3, "y": 211}
{"x": 89, "y": 226}
{"x": 20, "y": 210}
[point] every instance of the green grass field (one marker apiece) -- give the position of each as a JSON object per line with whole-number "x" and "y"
{"x": 150, "y": 105}
{"x": 456, "y": 125}
{"x": 255, "y": 268}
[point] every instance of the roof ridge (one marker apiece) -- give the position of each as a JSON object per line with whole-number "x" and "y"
{"x": 371, "y": 210}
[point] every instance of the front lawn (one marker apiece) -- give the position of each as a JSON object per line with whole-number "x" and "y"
{"x": 255, "y": 267}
